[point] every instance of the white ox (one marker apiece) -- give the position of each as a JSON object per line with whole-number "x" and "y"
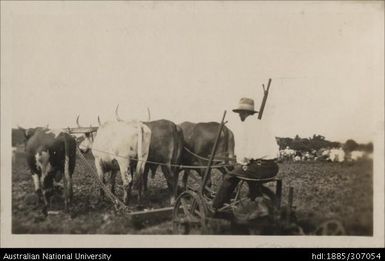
{"x": 115, "y": 146}
{"x": 337, "y": 155}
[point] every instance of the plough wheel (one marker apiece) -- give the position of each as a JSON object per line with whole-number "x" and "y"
{"x": 330, "y": 228}
{"x": 189, "y": 215}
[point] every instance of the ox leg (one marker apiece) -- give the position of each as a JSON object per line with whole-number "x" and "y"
{"x": 66, "y": 193}
{"x": 37, "y": 184}
{"x": 70, "y": 187}
{"x": 171, "y": 183}
{"x": 146, "y": 171}
{"x": 125, "y": 173}
{"x": 67, "y": 184}
{"x": 100, "y": 172}
{"x": 141, "y": 178}
{"x": 58, "y": 187}
{"x": 153, "y": 171}
{"x": 47, "y": 188}
{"x": 175, "y": 174}
{"x": 186, "y": 173}
{"x": 145, "y": 177}
{"x": 113, "y": 181}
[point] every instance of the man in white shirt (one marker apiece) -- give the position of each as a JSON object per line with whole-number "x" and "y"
{"x": 256, "y": 151}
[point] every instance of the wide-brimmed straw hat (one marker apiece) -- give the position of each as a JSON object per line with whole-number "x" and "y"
{"x": 246, "y": 104}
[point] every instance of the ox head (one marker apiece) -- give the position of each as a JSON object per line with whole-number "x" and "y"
{"x": 88, "y": 134}
{"x": 44, "y": 165}
{"x": 28, "y": 133}
{"x": 86, "y": 142}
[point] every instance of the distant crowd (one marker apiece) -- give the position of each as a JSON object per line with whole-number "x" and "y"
{"x": 318, "y": 148}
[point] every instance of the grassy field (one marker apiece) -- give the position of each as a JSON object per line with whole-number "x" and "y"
{"x": 321, "y": 190}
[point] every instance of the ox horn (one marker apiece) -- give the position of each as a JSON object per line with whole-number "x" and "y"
{"x": 117, "y": 114}
{"x": 99, "y": 121}
{"x": 148, "y": 114}
{"x": 77, "y": 121}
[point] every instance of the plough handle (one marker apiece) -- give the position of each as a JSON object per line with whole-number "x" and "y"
{"x": 265, "y": 94}
{"x": 214, "y": 150}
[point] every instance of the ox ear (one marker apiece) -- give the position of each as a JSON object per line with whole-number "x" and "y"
{"x": 24, "y": 130}
{"x": 28, "y": 133}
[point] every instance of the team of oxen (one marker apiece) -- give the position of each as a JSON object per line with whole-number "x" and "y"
{"x": 132, "y": 148}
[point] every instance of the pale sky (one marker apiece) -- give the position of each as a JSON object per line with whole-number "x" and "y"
{"x": 190, "y": 61}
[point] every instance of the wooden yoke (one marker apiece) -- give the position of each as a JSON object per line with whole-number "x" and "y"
{"x": 211, "y": 159}
{"x": 265, "y": 94}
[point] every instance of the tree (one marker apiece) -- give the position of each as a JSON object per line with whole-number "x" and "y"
{"x": 284, "y": 142}
{"x": 350, "y": 145}
{"x": 369, "y": 147}
{"x": 318, "y": 142}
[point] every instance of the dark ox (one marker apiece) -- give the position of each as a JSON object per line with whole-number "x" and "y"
{"x": 166, "y": 148}
{"x": 50, "y": 154}
{"x": 199, "y": 139}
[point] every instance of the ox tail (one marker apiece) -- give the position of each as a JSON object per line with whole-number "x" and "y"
{"x": 176, "y": 160}
{"x": 67, "y": 180}
{"x": 230, "y": 146}
{"x": 138, "y": 173}
{"x": 178, "y": 149}
{"x": 140, "y": 148}
{"x": 144, "y": 136}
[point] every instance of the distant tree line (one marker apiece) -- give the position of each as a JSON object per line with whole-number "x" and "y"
{"x": 318, "y": 141}
{"x": 297, "y": 143}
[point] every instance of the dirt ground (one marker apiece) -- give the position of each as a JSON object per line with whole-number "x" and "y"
{"x": 322, "y": 190}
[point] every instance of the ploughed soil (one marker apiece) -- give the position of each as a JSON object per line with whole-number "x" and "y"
{"x": 322, "y": 190}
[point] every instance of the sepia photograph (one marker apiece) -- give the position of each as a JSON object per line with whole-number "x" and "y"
{"x": 192, "y": 124}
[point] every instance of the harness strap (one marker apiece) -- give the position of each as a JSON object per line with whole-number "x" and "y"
{"x": 217, "y": 159}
